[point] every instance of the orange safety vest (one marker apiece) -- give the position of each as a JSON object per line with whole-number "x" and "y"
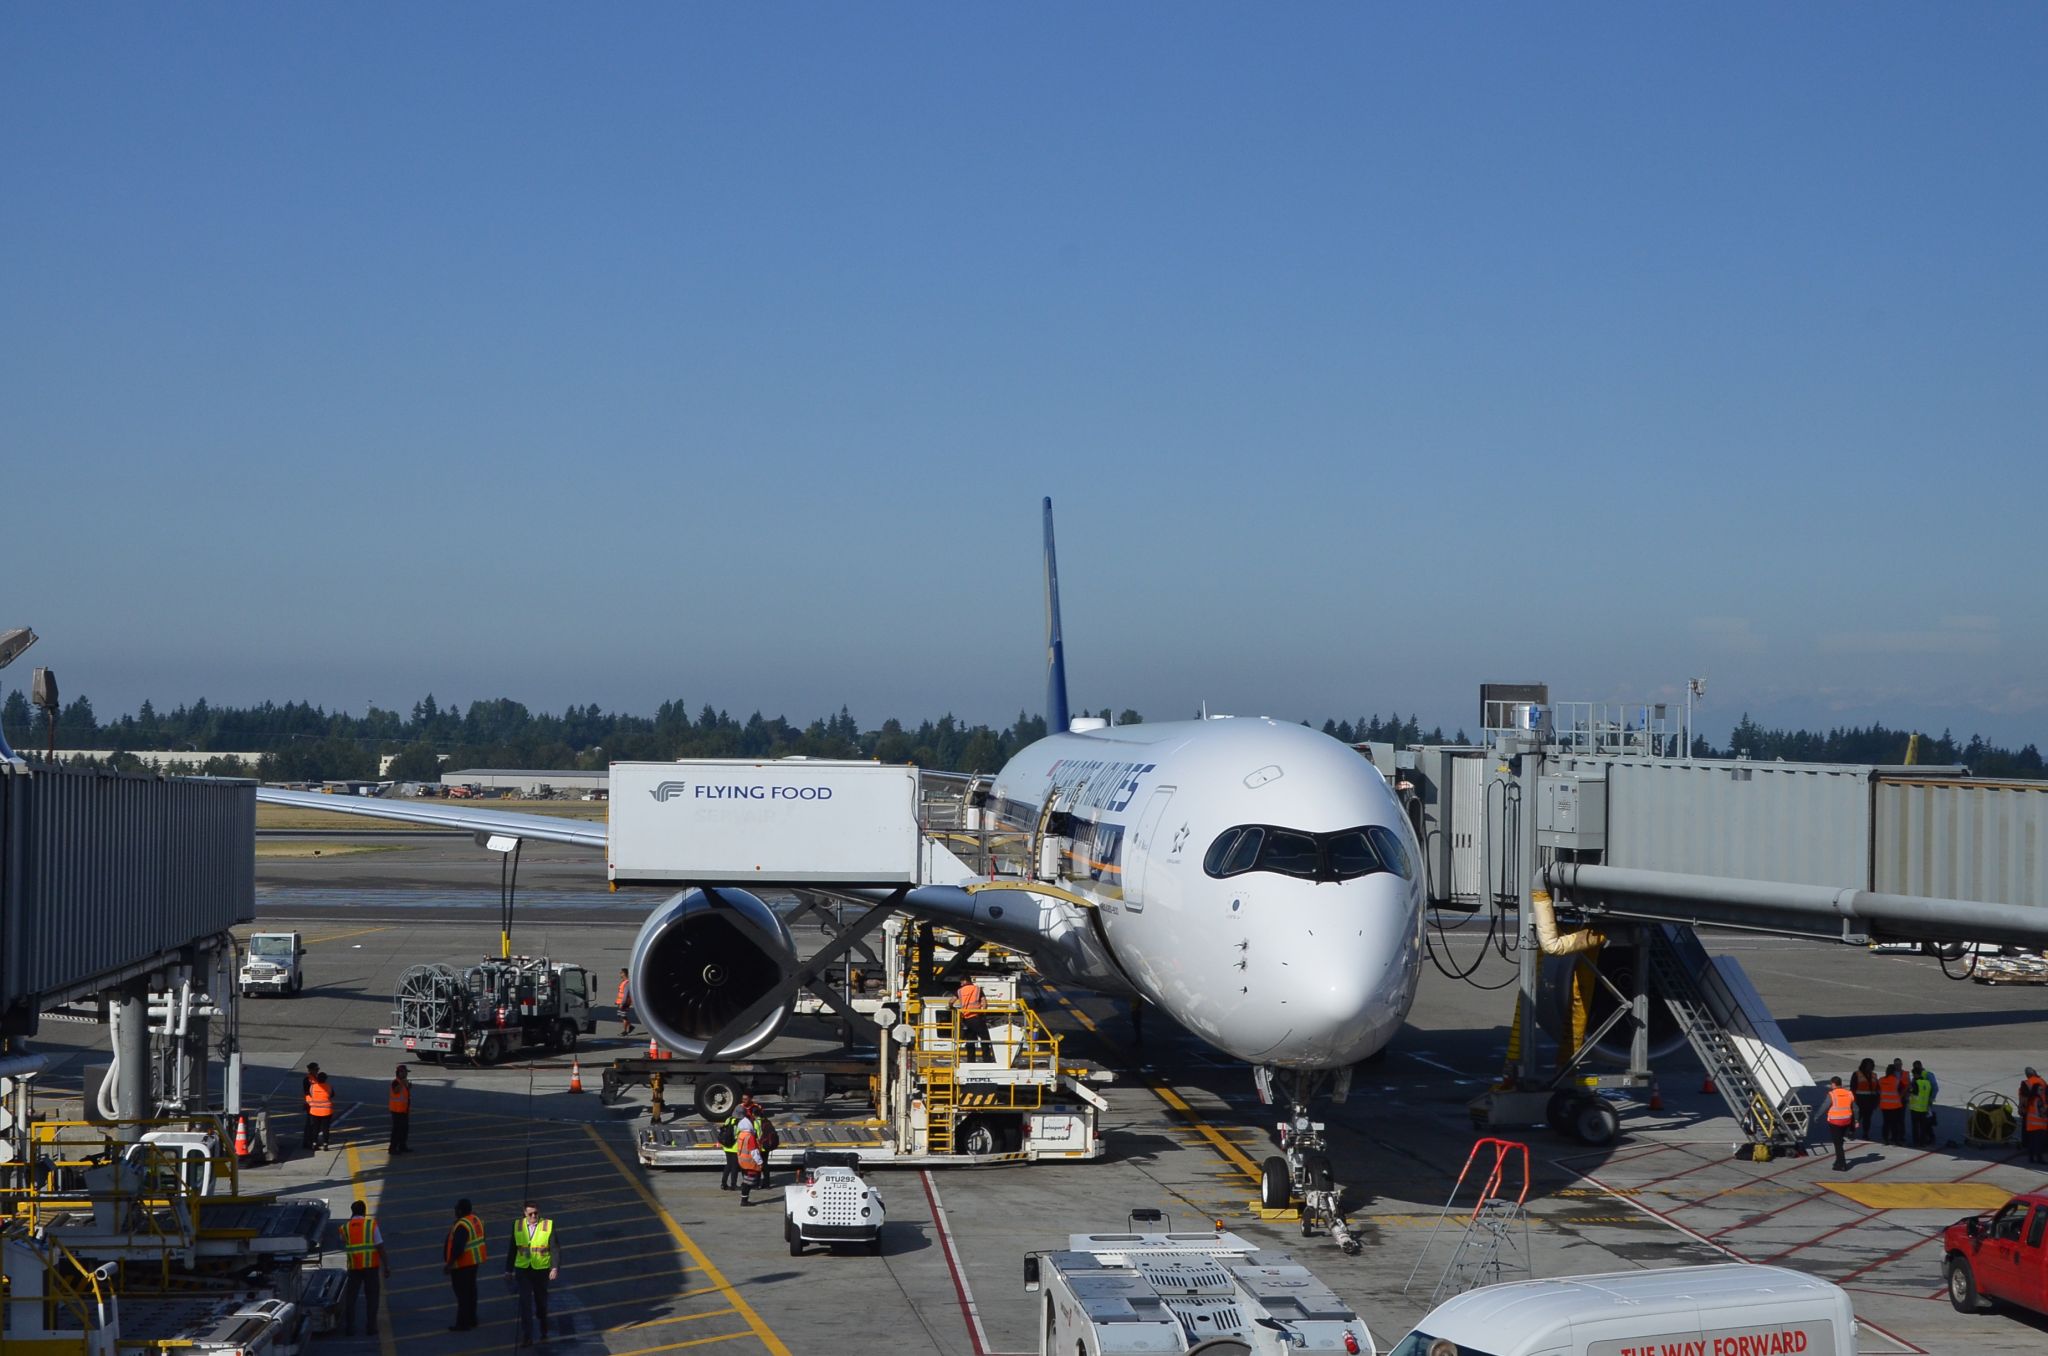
{"x": 970, "y": 999}
{"x": 748, "y": 1152}
{"x": 320, "y": 1100}
{"x": 2034, "y": 1104}
{"x": 470, "y": 1253}
{"x": 359, "y": 1238}
{"x": 1841, "y": 1106}
{"x": 1888, "y": 1098}
{"x": 622, "y": 993}
{"x": 401, "y": 1096}
{"x": 1863, "y": 1082}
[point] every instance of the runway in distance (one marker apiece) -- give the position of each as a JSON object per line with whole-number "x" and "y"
{"x": 1253, "y": 879}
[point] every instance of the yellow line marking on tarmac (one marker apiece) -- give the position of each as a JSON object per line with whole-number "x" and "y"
{"x": 385, "y": 1343}
{"x": 678, "y": 1346}
{"x": 337, "y": 936}
{"x": 684, "y": 1318}
{"x": 1178, "y": 1105}
{"x": 711, "y": 1273}
{"x": 1922, "y": 1195}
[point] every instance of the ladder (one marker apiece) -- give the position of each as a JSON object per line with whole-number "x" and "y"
{"x": 1763, "y": 1103}
{"x": 1495, "y": 1238}
{"x": 939, "y": 1070}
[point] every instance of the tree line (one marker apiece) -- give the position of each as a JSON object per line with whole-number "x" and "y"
{"x": 301, "y": 742}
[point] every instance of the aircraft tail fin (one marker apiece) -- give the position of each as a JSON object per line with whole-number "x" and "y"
{"x": 1055, "y": 653}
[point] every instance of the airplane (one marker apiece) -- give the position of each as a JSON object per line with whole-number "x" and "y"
{"x": 1254, "y": 879}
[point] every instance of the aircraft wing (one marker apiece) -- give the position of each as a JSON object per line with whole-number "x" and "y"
{"x": 541, "y": 828}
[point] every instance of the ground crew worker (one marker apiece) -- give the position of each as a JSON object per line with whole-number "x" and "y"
{"x": 1920, "y": 1101}
{"x": 1891, "y": 1100}
{"x": 363, "y": 1242}
{"x": 1841, "y": 1119}
{"x": 729, "y": 1140}
{"x": 462, "y": 1253}
{"x": 2034, "y": 1117}
{"x": 973, "y": 1022}
{"x": 625, "y": 1006}
{"x": 306, "y": 1096}
{"x": 1863, "y": 1083}
{"x": 401, "y": 1111}
{"x": 319, "y": 1111}
{"x": 532, "y": 1265}
{"x": 749, "y": 1159}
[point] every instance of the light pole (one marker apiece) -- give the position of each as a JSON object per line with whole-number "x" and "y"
{"x": 1694, "y": 687}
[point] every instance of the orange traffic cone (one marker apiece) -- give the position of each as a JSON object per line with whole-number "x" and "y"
{"x": 575, "y": 1074}
{"x": 654, "y": 1050}
{"x": 241, "y": 1137}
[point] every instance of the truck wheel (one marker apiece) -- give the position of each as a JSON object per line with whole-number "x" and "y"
{"x": 488, "y": 1050}
{"x": 1275, "y": 1187}
{"x": 977, "y": 1136}
{"x": 298, "y": 983}
{"x": 1595, "y": 1121}
{"x": 793, "y": 1237}
{"x": 1962, "y": 1286}
{"x": 1557, "y": 1112}
{"x": 716, "y": 1098}
{"x": 565, "y": 1037}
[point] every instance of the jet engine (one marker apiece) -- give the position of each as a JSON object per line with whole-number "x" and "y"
{"x": 700, "y": 961}
{"x": 1617, "y": 961}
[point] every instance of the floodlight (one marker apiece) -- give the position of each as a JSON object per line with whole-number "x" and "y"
{"x": 13, "y": 642}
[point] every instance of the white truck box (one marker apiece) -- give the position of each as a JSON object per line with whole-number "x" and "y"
{"x": 1731, "y": 1309}
{"x": 734, "y": 821}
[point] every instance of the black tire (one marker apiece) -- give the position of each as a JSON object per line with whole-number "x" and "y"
{"x": 1275, "y": 1187}
{"x": 1962, "y": 1285}
{"x": 875, "y": 1244}
{"x": 716, "y": 1098}
{"x": 979, "y": 1136}
{"x": 427, "y": 1056}
{"x": 1557, "y": 1112}
{"x": 791, "y": 1236}
{"x": 565, "y": 1036}
{"x": 298, "y": 983}
{"x": 1595, "y": 1122}
{"x": 489, "y": 1051}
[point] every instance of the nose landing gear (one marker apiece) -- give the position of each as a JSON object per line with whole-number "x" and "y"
{"x": 1302, "y": 1167}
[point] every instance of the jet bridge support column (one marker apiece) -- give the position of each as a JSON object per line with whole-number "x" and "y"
{"x": 131, "y": 1056}
{"x": 1529, "y": 953}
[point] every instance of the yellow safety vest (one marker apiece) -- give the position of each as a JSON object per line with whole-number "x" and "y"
{"x": 530, "y": 1246}
{"x": 471, "y": 1254}
{"x": 358, "y": 1238}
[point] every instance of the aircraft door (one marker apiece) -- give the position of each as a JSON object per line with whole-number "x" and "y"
{"x": 1138, "y": 863}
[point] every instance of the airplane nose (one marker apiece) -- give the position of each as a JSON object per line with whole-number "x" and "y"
{"x": 1359, "y": 971}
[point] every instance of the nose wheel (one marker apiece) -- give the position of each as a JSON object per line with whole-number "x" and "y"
{"x": 1302, "y": 1167}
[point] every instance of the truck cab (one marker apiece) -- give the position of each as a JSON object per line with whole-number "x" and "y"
{"x": 271, "y": 964}
{"x": 1999, "y": 1257}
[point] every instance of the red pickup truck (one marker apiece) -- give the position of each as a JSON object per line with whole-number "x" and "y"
{"x": 2000, "y": 1257}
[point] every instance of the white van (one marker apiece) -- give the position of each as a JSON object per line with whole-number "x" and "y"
{"x": 1726, "y": 1310}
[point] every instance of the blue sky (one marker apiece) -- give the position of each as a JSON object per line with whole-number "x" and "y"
{"x": 1368, "y": 353}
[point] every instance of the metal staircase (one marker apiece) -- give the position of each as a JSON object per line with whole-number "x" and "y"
{"x": 1763, "y": 1100}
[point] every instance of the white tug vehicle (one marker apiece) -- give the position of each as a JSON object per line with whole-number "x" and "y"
{"x": 830, "y": 1203}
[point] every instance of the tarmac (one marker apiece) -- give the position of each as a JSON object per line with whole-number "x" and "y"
{"x": 659, "y": 1261}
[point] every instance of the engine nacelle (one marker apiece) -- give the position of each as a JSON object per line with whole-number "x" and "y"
{"x": 1618, "y": 964}
{"x": 694, "y": 969}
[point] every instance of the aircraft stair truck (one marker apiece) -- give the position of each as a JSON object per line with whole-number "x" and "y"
{"x": 1151, "y": 1290}
{"x": 490, "y": 1010}
{"x": 272, "y": 964}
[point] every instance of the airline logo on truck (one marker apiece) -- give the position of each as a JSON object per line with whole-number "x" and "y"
{"x": 668, "y": 791}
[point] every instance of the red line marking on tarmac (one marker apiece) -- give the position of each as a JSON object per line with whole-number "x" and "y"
{"x": 1819, "y": 1193}
{"x": 1700, "y": 1166}
{"x": 1733, "y": 1255}
{"x": 969, "y": 1313}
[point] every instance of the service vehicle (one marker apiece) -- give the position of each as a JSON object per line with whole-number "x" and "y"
{"x": 1728, "y": 1309}
{"x": 272, "y": 964}
{"x": 1998, "y": 1257}
{"x": 830, "y": 1203}
{"x": 1153, "y": 1290}
{"x": 490, "y": 1010}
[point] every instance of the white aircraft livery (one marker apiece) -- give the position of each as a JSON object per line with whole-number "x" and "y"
{"x": 1253, "y": 879}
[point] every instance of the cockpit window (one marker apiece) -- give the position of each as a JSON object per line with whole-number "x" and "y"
{"x": 1343, "y": 855}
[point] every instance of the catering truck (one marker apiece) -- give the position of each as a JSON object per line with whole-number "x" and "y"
{"x": 1730, "y": 1309}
